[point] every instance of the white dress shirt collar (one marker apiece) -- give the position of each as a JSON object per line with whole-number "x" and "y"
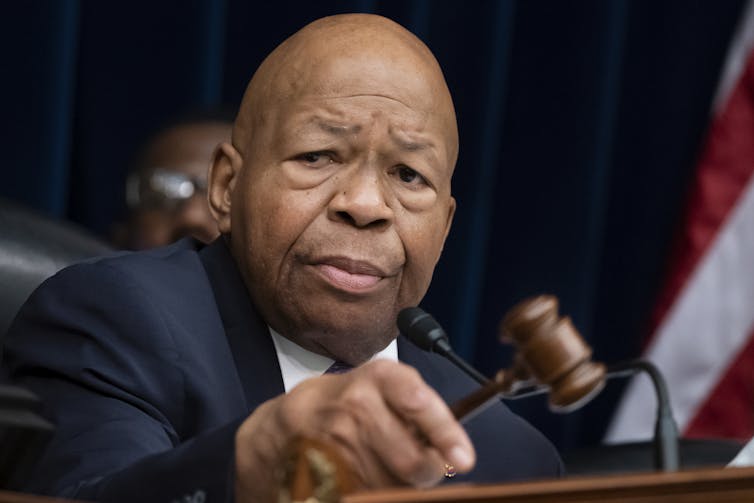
{"x": 297, "y": 363}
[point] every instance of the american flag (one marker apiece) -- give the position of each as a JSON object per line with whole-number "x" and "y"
{"x": 704, "y": 336}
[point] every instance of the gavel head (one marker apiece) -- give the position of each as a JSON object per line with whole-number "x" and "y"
{"x": 552, "y": 352}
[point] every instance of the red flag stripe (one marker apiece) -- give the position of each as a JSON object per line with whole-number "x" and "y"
{"x": 728, "y": 411}
{"x": 724, "y": 169}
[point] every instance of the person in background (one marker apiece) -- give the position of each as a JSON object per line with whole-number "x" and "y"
{"x": 166, "y": 190}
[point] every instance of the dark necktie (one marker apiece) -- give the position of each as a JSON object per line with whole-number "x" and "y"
{"x": 339, "y": 368}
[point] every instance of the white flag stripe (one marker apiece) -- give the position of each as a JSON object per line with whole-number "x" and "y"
{"x": 741, "y": 45}
{"x": 702, "y": 333}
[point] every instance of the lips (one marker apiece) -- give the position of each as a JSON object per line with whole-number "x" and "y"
{"x": 348, "y": 274}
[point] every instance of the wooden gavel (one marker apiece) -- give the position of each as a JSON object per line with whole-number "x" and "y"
{"x": 551, "y": 354}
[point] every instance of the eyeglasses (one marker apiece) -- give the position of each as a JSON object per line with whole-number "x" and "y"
{"x": 164, "y": 188}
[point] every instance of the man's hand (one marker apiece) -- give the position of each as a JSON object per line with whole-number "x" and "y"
{"x": 389, "y": 426}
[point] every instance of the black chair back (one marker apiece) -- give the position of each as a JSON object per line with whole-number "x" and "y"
{"x": 33, "y": 247}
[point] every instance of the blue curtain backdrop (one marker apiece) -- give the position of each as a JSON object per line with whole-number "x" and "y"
{"x": 579, "y": 120}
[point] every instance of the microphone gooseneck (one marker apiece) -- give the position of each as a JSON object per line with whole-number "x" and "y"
{"x": 666, "y": 451}
{"x": 424, "y": 331}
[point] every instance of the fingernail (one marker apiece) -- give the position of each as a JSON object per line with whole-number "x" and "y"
{"x": 460, "y": 458}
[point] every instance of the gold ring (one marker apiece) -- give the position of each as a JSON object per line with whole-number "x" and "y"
{"x": 450, "y": 471}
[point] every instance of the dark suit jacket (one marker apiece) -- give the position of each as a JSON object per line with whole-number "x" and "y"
{"x": 148, "y": 362}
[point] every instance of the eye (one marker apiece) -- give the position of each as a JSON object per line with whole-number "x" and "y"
{"x": 409, "y": 176}
{"x": 316, "y": 159}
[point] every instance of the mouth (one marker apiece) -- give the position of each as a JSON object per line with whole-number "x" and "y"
{"x": 345, "y": 274}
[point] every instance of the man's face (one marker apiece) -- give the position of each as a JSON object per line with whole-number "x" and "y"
{"x": 341, "y": 209}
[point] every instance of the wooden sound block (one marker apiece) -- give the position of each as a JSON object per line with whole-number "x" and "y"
{"x": 316, "y": 473}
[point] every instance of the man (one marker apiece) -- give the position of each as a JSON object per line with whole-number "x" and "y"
{"x": 166, "y": 190}
{"x": 333, "y": 201}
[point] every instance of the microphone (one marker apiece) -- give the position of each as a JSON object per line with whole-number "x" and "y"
{"x": 424, "y": 331}
{"x": 552, "y": 358}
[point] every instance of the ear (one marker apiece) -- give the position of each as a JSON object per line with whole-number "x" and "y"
{"x": 223, "y": 175}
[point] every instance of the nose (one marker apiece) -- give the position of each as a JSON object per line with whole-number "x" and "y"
{"x": 360, "y": 200}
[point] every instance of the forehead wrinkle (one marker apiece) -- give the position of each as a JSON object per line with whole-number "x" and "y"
{"x": 319, "y": 124}
{"x": 412, "y": 142}
{"x": 337, "y": 129}
{"x": 411, "y": 145}
{"x": 343, "y": 130}
{"x": 376, "y": 95}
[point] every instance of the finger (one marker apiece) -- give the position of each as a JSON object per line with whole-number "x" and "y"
{"x": 383, "y": 448}
{"x": 413, "y": 400}
{"x": 348, "y": 428}
{"x": 340, "y": 410}
{"x": 405, "y": 453}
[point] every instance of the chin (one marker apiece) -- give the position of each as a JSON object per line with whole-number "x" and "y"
{"x": 345, "y": 327}
{"x": 352, "y": 340}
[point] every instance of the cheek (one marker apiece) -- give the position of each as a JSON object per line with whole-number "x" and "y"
{"x": 276, "y": 217}
{"x": 422, "y": 239}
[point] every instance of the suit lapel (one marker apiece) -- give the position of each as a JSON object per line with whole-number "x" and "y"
{"x": 446, "y": 379}
{"x": 410, "y": 354}
{"x": 248, "y": 335}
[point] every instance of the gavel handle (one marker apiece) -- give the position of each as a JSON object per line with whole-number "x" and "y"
{"x": 506, "y": 384}
{"x": 470, "y": 405}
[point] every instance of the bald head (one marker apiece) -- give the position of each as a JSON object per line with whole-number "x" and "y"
{"x": 335, "y": 194}
{"x": 352, "y": 54}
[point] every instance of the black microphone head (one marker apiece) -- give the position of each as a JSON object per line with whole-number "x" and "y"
{"x": 423, "y": 330}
